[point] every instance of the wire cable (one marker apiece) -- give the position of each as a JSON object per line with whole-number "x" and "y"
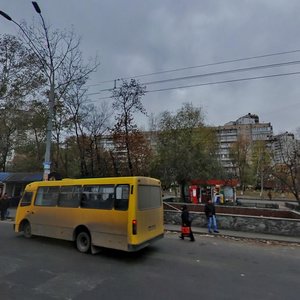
{"x": 294, "y": 62}
{"x": 226, "y": 81}
{"x": 226, "y": 72}
{"x": 201, "y": 66}
{"x": 211, "y": 83}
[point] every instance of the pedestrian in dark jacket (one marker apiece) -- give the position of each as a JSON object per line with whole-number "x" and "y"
{"x": 4, "y": 204}
{"x": 210, "y": 212}
{"x": 270, "y": 195}
{"x": 186, "y": 222}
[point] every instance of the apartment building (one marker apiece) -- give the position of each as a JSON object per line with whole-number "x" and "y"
{"x": 247, "y": 127}
{"x": 284, "y": 147}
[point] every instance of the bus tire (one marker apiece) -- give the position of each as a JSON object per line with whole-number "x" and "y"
{"x": 83, "y": 242}
{"x": 27, "y": 230}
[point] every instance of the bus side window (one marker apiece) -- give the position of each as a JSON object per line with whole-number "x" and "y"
{"x": 122, "y": 197}
{"x": 97, "y": 196}
{"x": 69, "y": 196}
{"x": 106, "y": 193}
{"x": 47, "y": 196}
{"x": 26, "y": 199}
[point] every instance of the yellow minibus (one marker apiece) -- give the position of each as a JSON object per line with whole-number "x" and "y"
{"x": 124, "y": 213}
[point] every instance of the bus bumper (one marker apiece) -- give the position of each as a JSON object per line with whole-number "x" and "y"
{"x": 133, "y": 248}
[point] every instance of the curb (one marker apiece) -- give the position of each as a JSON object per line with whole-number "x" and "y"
{"x": 245, "y": 236}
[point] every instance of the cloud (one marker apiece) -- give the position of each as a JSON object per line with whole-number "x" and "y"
{"x": 140, "y": 37}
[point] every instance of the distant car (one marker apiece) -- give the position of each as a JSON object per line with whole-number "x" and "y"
{"x": 171, "y": 199}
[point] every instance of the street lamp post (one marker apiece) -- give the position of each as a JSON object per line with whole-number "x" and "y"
{"x": 50, "y": 66}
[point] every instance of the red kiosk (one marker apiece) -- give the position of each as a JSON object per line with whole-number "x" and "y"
{"x": 219, "y": 190}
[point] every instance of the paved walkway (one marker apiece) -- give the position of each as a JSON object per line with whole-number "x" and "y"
{"x": 201, "y": 230}
{"x": 240, "y": 234}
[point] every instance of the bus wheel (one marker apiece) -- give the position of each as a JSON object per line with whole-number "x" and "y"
{"x": 27, "y": 230}
{"x": 83, "y": 242}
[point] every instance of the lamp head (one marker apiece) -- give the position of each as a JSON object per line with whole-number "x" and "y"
{"x": 6, "y": 16}
{"x": 36, "y": 7}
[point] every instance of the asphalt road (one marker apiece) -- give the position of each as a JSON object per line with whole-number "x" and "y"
{"x": 210, "y": 268}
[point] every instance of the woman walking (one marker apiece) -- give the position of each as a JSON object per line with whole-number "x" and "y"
{"x": 186, "y": 222}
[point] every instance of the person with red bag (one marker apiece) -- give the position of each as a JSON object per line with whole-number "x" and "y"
{"x": 186, "y": 230}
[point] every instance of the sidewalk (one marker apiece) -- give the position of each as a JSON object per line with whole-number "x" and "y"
{"x": 203, "y": 231}
{"x": 239, "y": 234}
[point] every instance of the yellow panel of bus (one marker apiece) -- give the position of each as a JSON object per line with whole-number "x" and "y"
{"x": 124, "y": 213}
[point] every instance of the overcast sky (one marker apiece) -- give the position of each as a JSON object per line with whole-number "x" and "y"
{"x": 137, "y": 37}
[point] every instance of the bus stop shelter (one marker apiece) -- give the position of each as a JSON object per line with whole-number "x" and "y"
{"x": 15, "y": 184}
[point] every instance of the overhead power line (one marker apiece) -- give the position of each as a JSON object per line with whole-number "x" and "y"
{"x": 225, "y": 81}
{"x": 247, "y": 69}
{"x": 200, "y": 66}
{"x": 213, "y": 83}
{"x": 226, "y": 72}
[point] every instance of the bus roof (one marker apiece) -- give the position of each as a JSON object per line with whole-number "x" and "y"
{"x": 89, "y": 181}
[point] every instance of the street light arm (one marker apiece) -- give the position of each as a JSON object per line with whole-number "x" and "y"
{"x": 32, "y": 46}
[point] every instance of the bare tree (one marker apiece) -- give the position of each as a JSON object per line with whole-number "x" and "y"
{"x": 240, "y": 157}
{"x": 77, "y": 111}
{"x": 88, "y": 123}
{"x": 60, "y": 61}
{"x": 96, "y": 125}
{"x": 127, "y": 102}
{"x": 261, "y": 163}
